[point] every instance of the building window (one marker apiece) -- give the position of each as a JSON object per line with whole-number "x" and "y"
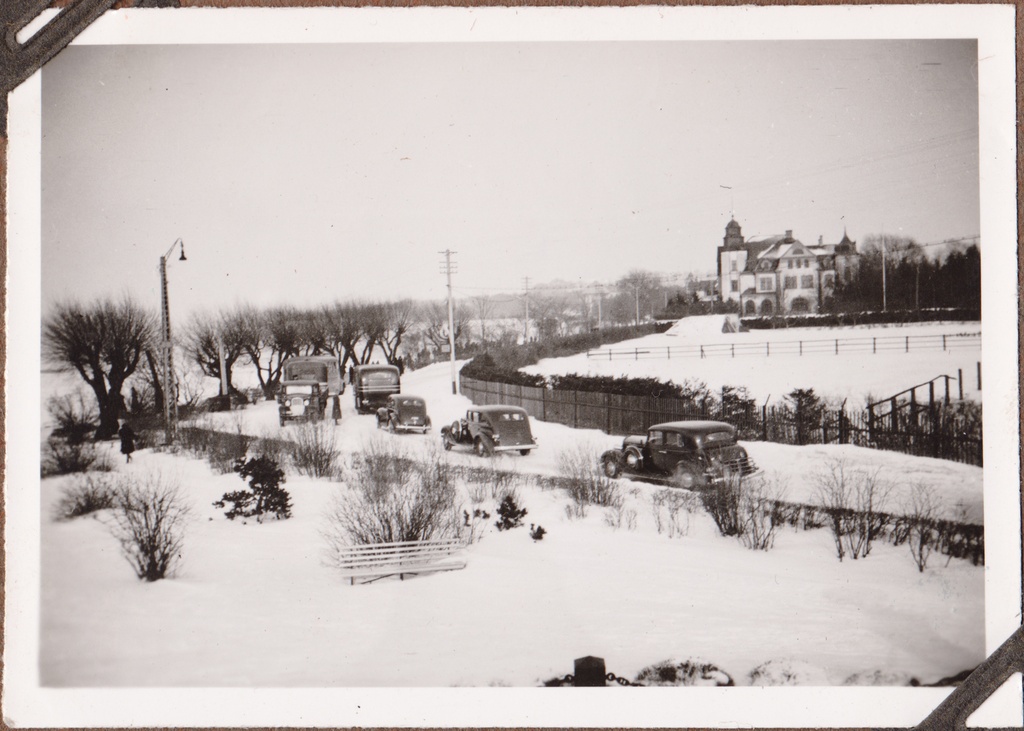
{"x": 732, "y": 264}
{"x": 750, "y": 308}
{"x": 828, "y": 280}
{"x": 791, "y": 282}
{"x": 734, "y": 286}
{"x": 766, "y": 284}
{"x": 799, "y": 306}
{"x": 807, "y": 281}
{"x": 789, "y": 264}
{"x": 767, "y": 308}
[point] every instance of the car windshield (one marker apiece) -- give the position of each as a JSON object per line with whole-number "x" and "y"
{"x": 410, "y": 402}
{"x": 298, "y": 389}
{"x": 306, "y": 372}
{"x": 719, "y": 438}
{"x": 379, "y": 378}
{"x": 511, "y": 416}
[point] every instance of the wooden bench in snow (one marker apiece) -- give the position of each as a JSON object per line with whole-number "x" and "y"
{"x": 376, "y": 560}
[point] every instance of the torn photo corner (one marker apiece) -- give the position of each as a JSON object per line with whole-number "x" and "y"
{"x": 513, "y": 349}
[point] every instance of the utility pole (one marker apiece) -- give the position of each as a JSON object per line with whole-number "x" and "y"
{"x": 636, "y": 292}
{"x": 170, "y": 388}
{"x": 526, "y": 298}
{"x": 448, "y": 268}
{"x": 883, "y": 274}
{"x": 600, "y": 301}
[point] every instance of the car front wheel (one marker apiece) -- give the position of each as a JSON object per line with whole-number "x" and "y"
{"x": 484, "y": 447}
{"x": 611, "y": 466}
{"x": 685, "y": 478}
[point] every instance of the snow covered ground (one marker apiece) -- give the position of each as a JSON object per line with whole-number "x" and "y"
{"x": 255, "y": 605}
{"x": 859, "y": 375}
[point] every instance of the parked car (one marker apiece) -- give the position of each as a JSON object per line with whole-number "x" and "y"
{"x": 688, "y": 454}
{"x": 404, "y": 412}
{"x": 308, "y": 384}
{"x": 372, "y": 384}
{"x": 489, "y": 429}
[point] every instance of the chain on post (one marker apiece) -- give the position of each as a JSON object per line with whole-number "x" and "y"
{"x": 613, "y": 678}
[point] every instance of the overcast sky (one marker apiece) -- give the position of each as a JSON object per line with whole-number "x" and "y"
{"x": 308, "y": 173}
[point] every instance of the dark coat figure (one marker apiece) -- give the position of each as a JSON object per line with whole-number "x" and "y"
{"x": 336, "y": 409}
{"x": 127, "y": 441}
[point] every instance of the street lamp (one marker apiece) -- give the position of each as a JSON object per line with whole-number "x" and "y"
{"x": 165, "y": 317}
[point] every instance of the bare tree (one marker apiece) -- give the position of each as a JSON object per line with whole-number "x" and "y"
{"x": 643, "y": 287}
{"x": 399, "y": 317}
{"x": 483, "y": 308}
{"x": 103, "y": 342}
{"x": 551, "y": 312}
{"x": 204, "y": 336}
{"x": 435, "y": 316}
{"x": 269, "y": 338}
{"x": 342, "y": 328}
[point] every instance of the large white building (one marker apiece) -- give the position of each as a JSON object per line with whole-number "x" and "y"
{"x": 779, "y": 275}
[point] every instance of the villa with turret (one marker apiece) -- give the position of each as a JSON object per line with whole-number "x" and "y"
{"x": 779, "y": 275}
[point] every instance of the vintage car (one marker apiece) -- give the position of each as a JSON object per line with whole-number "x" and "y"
{"x": 490, "y": 429}
{"x": 308, "y": 384}
{"x": 372, "y": 384}
{"x": 404, "y": 412}
{"x": 688, "y": 454}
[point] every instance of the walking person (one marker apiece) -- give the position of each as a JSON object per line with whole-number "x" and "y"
{"x": 127, "y": 441}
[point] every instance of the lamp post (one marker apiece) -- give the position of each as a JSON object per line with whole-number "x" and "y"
{"x": 170, "y": 392}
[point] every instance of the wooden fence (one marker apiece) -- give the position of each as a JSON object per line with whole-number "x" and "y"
{"x": 931, "y": 434}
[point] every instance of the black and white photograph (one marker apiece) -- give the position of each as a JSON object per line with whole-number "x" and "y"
{"x": 419, "y": 366}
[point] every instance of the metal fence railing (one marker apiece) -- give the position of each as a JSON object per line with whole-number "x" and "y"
{"x": 769, "y": 348}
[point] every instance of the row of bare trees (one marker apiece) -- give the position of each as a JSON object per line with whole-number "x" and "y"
{"x": 110, "y": 342}
{"x": 264, "y": 338}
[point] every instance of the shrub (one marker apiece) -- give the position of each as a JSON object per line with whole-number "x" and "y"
{"x": 265, "y": 495}
{"x": 922, "y": 509}
{"x": 722, "y": 503}
{"x": 760, "y": 511}
{"x": 853, "y": 501}
{"x": 537, "y": 533}
{"x": 390, "y": 498}
{"x": 618, "y": 516}
{"x": 75, "y": 418}
{"x": 89, "y": 495}
{"x": 473, "y": 525}
{"x": 687, "y": 672}
{"x": 64, "y": 458}
{"x": 586, "y": 484}
{"x": 671, "y": 510}
{"x": 807, "y": 410}
{"x": 314, "y": 449}
{"x": 149, "y": 520}
{"x": 510, "y": 515}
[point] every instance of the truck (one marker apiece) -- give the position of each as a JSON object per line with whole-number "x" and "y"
{"x": 308, "y": 384}
{"x": 372, "y": 384}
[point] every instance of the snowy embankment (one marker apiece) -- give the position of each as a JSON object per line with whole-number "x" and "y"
{"x": 256, "y": 604}
{"x": 856, "y": 376}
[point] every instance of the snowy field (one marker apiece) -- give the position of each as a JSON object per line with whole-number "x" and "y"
{"x": 255, "y": 605}
{"x": 859, "y": 375}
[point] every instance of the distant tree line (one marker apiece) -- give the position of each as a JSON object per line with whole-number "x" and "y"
{"x": 913, "y": 279}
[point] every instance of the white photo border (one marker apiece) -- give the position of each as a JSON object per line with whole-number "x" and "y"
{"x": 26, "y": 703}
